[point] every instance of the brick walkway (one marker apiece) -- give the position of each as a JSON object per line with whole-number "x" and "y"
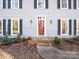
{"x": 17, "y": 52}
{"x": 49, "y": 52}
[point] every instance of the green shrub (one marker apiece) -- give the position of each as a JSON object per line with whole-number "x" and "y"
{"x": 76, "y": 38}
{"x": 56, "y": 41}
{"x": 6, "y": 40}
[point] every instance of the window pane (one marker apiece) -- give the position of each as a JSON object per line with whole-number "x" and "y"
{"x": 77, "y": 27}
{"x": 1, "y": 4}
{"x": 15, "y": 26}
{"x": 15, "y": 3}
{"x": 41, "y": 4}
{"x": 64, "y": 26}
{"x": 64, "y": 3}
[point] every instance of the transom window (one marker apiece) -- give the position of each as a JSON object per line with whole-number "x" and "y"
{"x": 14, "y": 3}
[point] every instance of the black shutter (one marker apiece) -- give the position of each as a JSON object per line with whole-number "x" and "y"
{"x": 69, "y": 4}
{"x": 75, "y": 27}
{"x": 59, "y": 27}
{"x": 46, "y": 4}
{"x": 74, "y": 4}
{"x": 70, "y": 27}
{"x": 9, "y": 26}
{"x": 20, "y": 4}
{"x": 9, "y": 4}
{"x": 35, "y": 4}
{"x": 20, "y": 25}
{"x": 4, "y": 26}
{"x": 4, "y": 4}
{"x": 58, "y": 4}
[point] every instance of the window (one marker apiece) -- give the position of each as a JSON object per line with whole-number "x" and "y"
{"x": 0, "y": 26}
{"x": 64, "y": 27}
{"x": 14, "y": 3}
{"x": 77, "y": 27}
{"x": 15, "y": 26}
{"x": 64, "y": 4}
{"x": 77, "y": 4}
{"x": 41, "y": 4}
{"x": 1, "y": 4}
{"x": 67, "y": 4}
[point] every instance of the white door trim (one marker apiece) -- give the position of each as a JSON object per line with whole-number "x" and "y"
{"x": 44, "y": 24}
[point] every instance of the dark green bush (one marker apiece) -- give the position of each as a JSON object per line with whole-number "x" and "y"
{"x": 6, "y": 40}
{"x": 56, "y": 41}
{"x": 76, "y": 38}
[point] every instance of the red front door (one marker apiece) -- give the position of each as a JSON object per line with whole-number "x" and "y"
{"x": 41, "y": 27}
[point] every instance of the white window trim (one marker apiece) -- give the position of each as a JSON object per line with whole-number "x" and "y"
{"x": 44, "y": 5}
{"x": 1, "y": 4}
{"x": 77, "y": 27}
{"x": 12, "y": 26}
{"x": 67, "y": 26}
{"x": 44, "y": 25}
{"x": 14, "y": 7}
{"x": 77, "y": 4}
{"x": 2, "y": 26}
{"x": 61, "y": 5}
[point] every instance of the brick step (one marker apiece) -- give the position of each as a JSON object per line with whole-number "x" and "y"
{"x": 44, "y": 44}
{"x": 40, "y": 42}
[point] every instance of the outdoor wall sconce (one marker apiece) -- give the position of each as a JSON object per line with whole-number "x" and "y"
{"x": 51, "y": 21}
{"x": 31, "y": 21}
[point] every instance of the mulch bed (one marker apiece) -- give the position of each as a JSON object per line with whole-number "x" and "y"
{"x": 22, "y": 52}
{"x": 68, "y": 46}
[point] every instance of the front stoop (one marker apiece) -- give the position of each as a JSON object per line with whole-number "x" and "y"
{"x": 39, "y": 43}
{"x": 44, "y": 44}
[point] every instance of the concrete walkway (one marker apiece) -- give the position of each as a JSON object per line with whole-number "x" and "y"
{"x": 49, "y": 52}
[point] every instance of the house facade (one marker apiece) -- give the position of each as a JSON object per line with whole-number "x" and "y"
{"x": 39, "y": 18}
